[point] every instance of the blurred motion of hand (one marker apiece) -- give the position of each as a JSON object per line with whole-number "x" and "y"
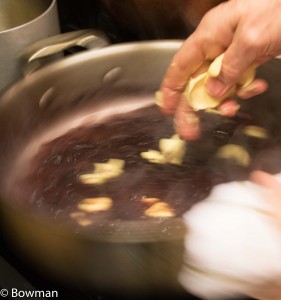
{"x": 248, "y": 32}
{"x": 273, "y": 193}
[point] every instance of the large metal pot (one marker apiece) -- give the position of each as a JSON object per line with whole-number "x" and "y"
{"x": 21, "y": 24}
{"x": 123, "y": 256}
{"x": 126, "y": 256}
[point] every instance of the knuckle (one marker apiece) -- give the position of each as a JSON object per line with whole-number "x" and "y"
{"x": 208, "y": 17}
{"x": 229, "y": 73}
{"x": 251, "y": 39}
{"x": 206, "y": 38}
{"x": 205, "y": 41}
{"x": 212, "y": 14}
{"x": 209, "y": 33}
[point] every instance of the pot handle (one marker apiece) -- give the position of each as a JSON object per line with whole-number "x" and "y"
{"x": 43, "y": 51}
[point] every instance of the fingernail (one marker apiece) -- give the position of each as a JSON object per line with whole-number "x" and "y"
{"x": 216, "y": 88}
{"x": 249, "y": 91}
{"x": 229, "y": 108}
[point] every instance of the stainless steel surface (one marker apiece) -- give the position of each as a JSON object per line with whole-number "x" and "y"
{"x": 88, "y": 39}
{"x": 118, "y": 256}
{"x": 21, "y": 24}
{"x": 16, "y": 13}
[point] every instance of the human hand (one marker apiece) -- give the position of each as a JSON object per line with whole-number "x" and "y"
{"x": 273, "y": 187}
{"x": 248, "y": 32}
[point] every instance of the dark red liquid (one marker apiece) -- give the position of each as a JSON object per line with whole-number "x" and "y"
{"x": 53, "y": 182}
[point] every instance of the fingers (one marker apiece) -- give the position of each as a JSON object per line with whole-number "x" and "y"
{"x": 187, "y": 122}
{"x": 274, "y": 190}
{"x": 241, "y": 54}
{"x": 258, "y": 86}
{"x": 266, "y": 180}
{"x": 216, "y": 87}
{"x": 228, "y": 108}
{"x": 187, "y": 60}
{"x": 230, "y": 28}
{"x": 207, "y": 42}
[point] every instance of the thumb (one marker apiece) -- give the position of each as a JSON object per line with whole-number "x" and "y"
{"x": 235, "y": 62}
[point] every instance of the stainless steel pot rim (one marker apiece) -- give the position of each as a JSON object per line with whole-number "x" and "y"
{"x": 114, "y": 231}
{"x": 113, "y": 50}
{"x": 87, "y": 56}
